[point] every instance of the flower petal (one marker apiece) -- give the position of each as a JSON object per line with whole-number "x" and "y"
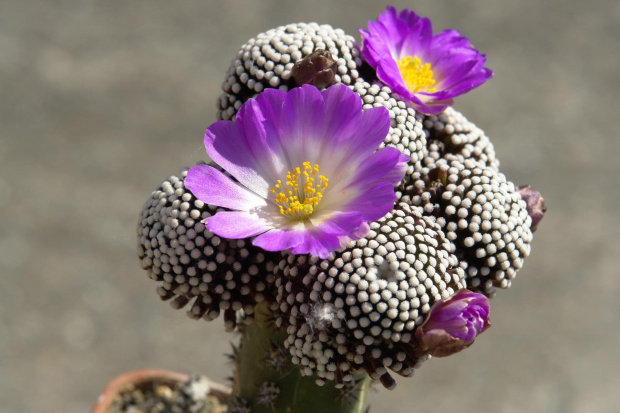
{"x": 228, "y": 147}
{"x": 339, "y": 223}
{"x": 416, "y": 36}
{"x": 251, "y": 149}
{"x": 279, "y": 239}
{"x": 317, "y": 243}
{"x": 388, "y": 73}
{"x": 380, "y": 164}
{"x": 343, "y": 157}
{"x": 370, "y": 188}
{"x": 374, "y": 126}
{"x": 302, "y": 122}
{"x": 259, "y": 122}
{"x": 343, "y": 111}
{"x": 236, "y": 224}
{"x": 374, "y": 203}
{"x": 213, "y": 187}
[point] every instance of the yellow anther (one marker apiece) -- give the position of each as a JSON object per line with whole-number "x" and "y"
{"x": 301, "y": 193}
{"x": 418, "y": 77}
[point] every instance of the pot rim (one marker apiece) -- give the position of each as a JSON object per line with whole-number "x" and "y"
{"x": 137, "y": 377}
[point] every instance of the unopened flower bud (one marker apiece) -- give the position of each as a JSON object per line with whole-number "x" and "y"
{"x": 454, "y": 323}
{"x": 535, "y": 204}
{"x": 317, "y": 69}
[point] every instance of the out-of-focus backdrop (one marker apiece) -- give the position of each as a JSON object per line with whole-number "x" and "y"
{"x": 101, "y": 100}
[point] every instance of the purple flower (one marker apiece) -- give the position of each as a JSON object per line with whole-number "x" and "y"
{"x": 425, "y": 69}
{"x": 306, "y": 174}
{"x": 453, "y": 324}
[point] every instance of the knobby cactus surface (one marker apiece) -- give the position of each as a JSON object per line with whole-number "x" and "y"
{"x": 332, "y": 291}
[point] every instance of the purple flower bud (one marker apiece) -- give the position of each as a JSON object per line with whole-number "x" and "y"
{"x": 535, "y": 204}
{"x": 453, "y": 324}
{"x": 317, "y": 69}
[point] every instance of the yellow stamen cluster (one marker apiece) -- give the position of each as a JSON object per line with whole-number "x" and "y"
{"x": 418, "y": 77}
{"x": 301, "y": 192}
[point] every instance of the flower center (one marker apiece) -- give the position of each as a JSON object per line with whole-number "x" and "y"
{"x": 301, "y": 192}
{"x": 418, "y": 77}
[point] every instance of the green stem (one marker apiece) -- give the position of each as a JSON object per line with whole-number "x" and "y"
{"x": 297, "y": 393}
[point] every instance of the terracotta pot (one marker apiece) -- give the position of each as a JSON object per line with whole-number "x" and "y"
{"x": 138, "y": 378}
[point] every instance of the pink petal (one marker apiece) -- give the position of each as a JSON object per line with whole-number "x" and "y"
{"x": 227, "y": 146}
{"x": 279, "y": 239}
{"x": 318, "y": 244}
{"x": 236, "y": 224}
{"x": 303, "y": 124}
{"x": 213, "y": 187}
{"x": 343, "y": 111}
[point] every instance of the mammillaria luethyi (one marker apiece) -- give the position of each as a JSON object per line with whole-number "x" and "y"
{"x": 351, "y": 280}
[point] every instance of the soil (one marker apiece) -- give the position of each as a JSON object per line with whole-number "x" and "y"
{"x": 160, "y": 396}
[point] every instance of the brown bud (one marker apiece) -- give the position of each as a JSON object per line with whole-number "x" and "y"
{"x": 535, "y": 204}
{"x": 317, "y": 69}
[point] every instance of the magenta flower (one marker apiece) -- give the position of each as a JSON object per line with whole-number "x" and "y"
{"x": 306, "y": 174}
{"x": 426, "y": 70}
{"x": 454, "y": 323}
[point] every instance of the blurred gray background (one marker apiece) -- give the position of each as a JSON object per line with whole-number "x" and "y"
{"x": 101, "y": 100}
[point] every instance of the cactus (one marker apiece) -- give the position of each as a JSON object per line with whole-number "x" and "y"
{"x": 255, "y": 374}
{"x": 333, "y": 288}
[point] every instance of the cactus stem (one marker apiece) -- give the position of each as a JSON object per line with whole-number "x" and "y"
{"x": 294, "y": 392}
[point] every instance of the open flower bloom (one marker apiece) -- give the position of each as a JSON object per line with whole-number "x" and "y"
{"x": 426, "y": 70}
{"x": 453, "y": 324}
{"x": 306, "y": 174}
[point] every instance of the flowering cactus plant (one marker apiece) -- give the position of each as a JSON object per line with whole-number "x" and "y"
{"x": 350, "y": 223}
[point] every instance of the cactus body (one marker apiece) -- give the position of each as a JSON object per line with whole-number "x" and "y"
{"x": 265, "y": 386}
